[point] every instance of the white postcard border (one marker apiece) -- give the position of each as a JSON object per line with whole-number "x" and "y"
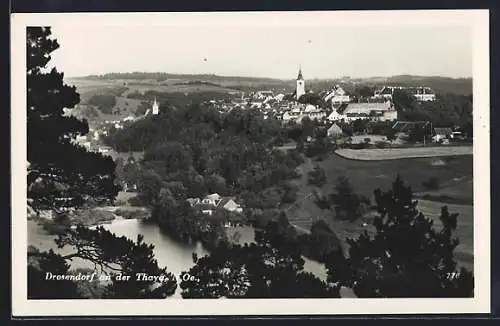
{"x": 478, "y": 20}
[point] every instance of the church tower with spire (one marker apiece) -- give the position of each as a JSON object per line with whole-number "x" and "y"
{"x": 301, "y": 88}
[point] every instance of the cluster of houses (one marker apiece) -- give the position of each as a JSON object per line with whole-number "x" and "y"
{"x": 340, "y": 104}
{"x": 366, "y": 111}
{"x": 213, "y": 202}
{"x": 340, "y": 107}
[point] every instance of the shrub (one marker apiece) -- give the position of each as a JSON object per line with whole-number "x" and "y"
{"x": 92, "y": 216}
{"x": 133, "y": 213}
{"x": 346, "y": 203}
{"x": 54, "y": 228}
{"x": 136, "y": 201}
{"x": 120, "y": 202}
{"x": 317, "y": 177}
{"x": 104, "y": 102}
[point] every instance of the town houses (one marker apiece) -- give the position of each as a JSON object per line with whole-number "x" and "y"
{"x": 293, "y": 105}
{"x": 337, "y": 105}
{"x": 334, "y": 104}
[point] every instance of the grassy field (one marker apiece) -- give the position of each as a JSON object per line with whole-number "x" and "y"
{"x": 454, "y": 173}
{"x": 402, "y": 153}
{"x": 121, "y": 88}
{"x": 457, "y": 191}
{"x": 88, "y": 87}
{"x": 128, "y": 105}
{"x": 366, "y": 176}
{"x": 465, "y": 229}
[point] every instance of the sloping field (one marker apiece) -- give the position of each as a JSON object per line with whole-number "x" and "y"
{"x": 400, "y": 153}
{"x": 456, "y": 191}
{"x": 366, "y": 176}
{"x": 464, "y": 253}
{"x": 127, "y": 104}
{"x": 465, "y": 228}
{"x": 454, "y": 173}
{"x": 89, "y": 87}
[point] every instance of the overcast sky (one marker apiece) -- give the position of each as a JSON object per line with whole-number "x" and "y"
{"x": 264, "y": 50}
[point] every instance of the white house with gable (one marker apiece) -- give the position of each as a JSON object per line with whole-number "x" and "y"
{"x": 213, "y": 202}
{"x": 337, "y": 96}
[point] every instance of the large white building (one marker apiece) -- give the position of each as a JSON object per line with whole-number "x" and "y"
{"x": 372, "y": 111}
{"x": 337, "y": 96}
{"x": 421, "y": 93}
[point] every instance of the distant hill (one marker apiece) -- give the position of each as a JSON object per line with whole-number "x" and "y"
{"x": 462, "y": 86}
{"x": 199, "y": 77}
{"x": 167, "y": 81}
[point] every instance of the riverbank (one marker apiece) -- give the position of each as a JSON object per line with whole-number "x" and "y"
{"x": 176, "y": 256}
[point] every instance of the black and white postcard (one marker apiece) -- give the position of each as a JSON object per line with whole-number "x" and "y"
{"x": 302, "y": 162}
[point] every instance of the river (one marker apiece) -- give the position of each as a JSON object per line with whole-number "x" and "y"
{"x": 170, "y": 253}
{"x": 177, "y": 256}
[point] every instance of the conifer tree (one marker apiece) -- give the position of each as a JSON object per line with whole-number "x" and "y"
{"x": 60, "y": 173}
{"x": 407, "y": 257}
{"x": 272, "y": 267}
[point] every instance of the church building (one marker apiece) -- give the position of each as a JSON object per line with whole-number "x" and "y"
{"x": 156, "y": 107}
{"x": 301, "y": 87}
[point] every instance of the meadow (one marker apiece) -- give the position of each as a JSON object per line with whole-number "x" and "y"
{"x": 454, "y": 174}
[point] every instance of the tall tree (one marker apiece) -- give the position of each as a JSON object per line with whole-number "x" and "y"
{"x": 346, "y": 204}
{"x": 407, "y": 256}
{"x": 111, "y": 255}
{"x": 272, "y": 267}
{"x": 404, "y": 101}
{"x": 60, "y": 173}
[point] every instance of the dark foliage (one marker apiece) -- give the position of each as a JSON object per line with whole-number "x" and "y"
{"x": 270, "y": 268}
{"x": 407, "y": 256}
{"x": 346, "y": 204}
{"x": 60, "y": 173}
{"x": 104, "y": 102}
{"x": 447, "y": 110}
{"x": 317, "y": 177}
{"x": 431, "y": 184}
{"x": 110, "y": 255}
{"x": 39, "y": 264}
